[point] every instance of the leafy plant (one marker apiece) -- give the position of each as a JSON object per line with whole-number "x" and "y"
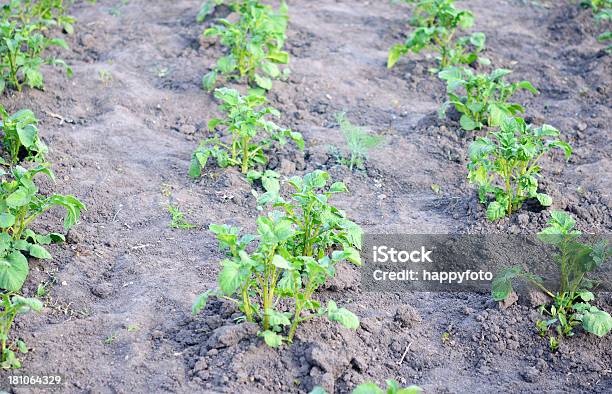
{"x": 22, "y": 42}
{"x": 43, "y": 13}
{"x": 393, "y": 387}
{"x": 293, "y": 253}
{"x": 11, "y": 306}
{"x": 245, "y": 122}
{"x": 20, "y": 205}
{"x": 570, "y": 305}
{"x": 486, "y": 96}
{"x": 506, "y": 165}
{"x": 255, "y": 45}
{"x": 436, "y": 24}
{"x": 20, "y": 136}
{"x": 178, "y": 218}
{"x": 358, "y": 141}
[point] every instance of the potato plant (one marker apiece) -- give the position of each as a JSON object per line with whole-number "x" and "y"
{"x": 248, "y": 134}
{"x": 603, "y": 13}
{"x": 506, "y": 165}
{"x": 570, "y": 305}
{"x": 437, "y": 24}
{"x": 393, "y": 387}
{"x": 485, "y": 98}
{"x": 20, "y": 138}
{"x": 23, "y": 41}
{"x": 255, "y": 44}
{"x": 20, "y": 204}
{"x": 45, "y": 13}
{"x": 293, "y": 253}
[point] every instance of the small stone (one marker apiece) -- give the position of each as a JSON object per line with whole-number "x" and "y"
{"x": 530, "y": 375}
{"x": 230, "y": 335}
{"x": 187, "y": 129}
{"x": 287, "y": 166}
{"x": 523, "y": 219}
{"x": 407, "y": 316}
{"x": 102, "y": 290}
{"x": 582, "y": 126}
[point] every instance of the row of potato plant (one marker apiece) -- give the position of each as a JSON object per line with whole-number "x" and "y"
{"x": 274, "y": 274}
{"x": 26, "y": 29}
{"x": 505, "y": 162}
{"x": 21, "y": 203}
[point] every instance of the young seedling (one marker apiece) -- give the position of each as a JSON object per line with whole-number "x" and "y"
{"x": 485, "y": 98}
{"x": 178, "y": 218}
{"x": 248, "y": 134}
{"x": 393, "y": 387}
{"x": 506, "y": 165}
{"x": 255, "y": 45}
{"x": 570, "y": 305}
{"x": 358, "y": 141}
{"x": 13, "y": 305}
{"x": 290, "y": 257}
{"x": 437, "y": 23}
{"x": 20, "y": 205}
{"x": 20, "y": 136}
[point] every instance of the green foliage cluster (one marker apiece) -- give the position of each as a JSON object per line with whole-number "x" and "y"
{"x": 484, "y": 101}
{"x": 602, "y": 10}
{"x": 437, "y": 24}
{"x": 570, "y": 305}
{"x": 25, "y": 26}
{"x": 506, "y": 164}
{"x": 255, "y": 43}
{"x": 393, "y": 387}
{"x": 21, "y": 203}
{"x": 295, "y": 250}
{"x": 248, "y": 133}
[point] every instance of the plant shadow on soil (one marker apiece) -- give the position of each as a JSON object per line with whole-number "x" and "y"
{"x": 124, "y": 138}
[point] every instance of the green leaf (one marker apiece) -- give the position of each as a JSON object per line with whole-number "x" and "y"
{"x": 597, "y": 322}
{"x": 498, "y": 115}
{"x": 277, "y": 318}
{"x": 13, "y": 271}
{"x": 18, "y": 198}
{"x": 501, "y": 287}
{"x": 343, "y": 316}
{"x": 280, "y": 262}
{"x": 6, "y": 220}
{"x": 544, "y": 199}
{"x": 229, "y": 278}
{"x": 528, "y": 86}
{"x": 209, "y": 81}
{"x": 39, "y": 252}
{"x": 338, "y": 187}
{"x": 495, "y": 211}
{"x": 368, "y": 388}
{"x": 468, "y": 124}
{"x": 27, "y": 135}
{"x": 200, "y": 302}
{"x": 25, "y": 305}
{"x": 395, "y": 53}
{"x": 272, "y": 339}
{"x": 263, "y": 82}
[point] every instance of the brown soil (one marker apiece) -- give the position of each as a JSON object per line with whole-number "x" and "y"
{"x": 127, "y": 141}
